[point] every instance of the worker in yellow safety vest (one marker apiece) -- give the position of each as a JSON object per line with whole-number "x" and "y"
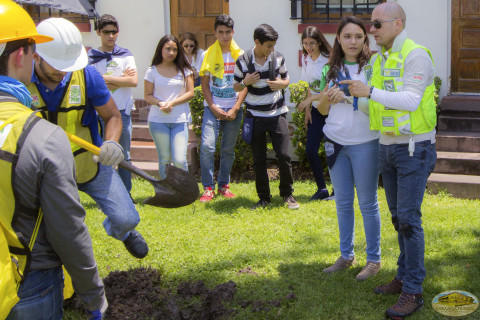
{"x": 41, "y": 219}
{"x": 402, "y": 107}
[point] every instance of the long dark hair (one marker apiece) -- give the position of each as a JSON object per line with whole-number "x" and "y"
{"x": 337, "y": 55}
{"x": 190, "y": 36}
{"x": 314, "y": 33}
{"x": 180, "y": 60}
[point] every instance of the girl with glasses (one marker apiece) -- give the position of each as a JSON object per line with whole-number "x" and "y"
{"x": 351, "y": 147}
{"x": 316, "y": 51}
{"x": 168, "y": 87}
{"x": 193, "y": 54}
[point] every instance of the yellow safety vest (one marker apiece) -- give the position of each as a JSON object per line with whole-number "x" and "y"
{"x": 388, "y": 75}
{"x": 69, "y": 116}
{"x": 16, "y": 122}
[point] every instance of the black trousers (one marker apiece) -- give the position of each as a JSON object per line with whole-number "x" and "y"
{"x": 277, "y": 128}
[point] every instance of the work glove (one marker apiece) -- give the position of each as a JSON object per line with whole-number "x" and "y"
{"x": 98, "y": 314}
{"x": 111, "y": 153}
{"x": 95, "y": 315}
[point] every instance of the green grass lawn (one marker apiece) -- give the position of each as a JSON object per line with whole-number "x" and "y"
{"x": 287, "y": 250}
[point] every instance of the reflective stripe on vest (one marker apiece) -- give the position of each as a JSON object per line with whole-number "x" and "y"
{"x": 69, "y": 116}
{"x": 388, "y": 75}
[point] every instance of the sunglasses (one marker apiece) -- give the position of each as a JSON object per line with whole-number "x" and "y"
{"x": 189, "y": 46}
{"x": 112, "y": 32}
{"x": 378, "y": 24}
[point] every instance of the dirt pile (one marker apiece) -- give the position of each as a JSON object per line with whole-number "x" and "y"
{"x": 140, "y": 294}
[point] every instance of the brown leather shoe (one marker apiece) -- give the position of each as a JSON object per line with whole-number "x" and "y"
{"x": 406, "y": 305}
{"x": 393, "y": 287}
{"x": 340, "y": 264}
{"x": 370, "y": 269}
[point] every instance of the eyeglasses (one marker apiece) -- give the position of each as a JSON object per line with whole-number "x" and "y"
{"x": 111, "y": 32}
{"x": 378, "y": 24}
{"x": 309, "y": 44}
{"x": 189, "y": 46}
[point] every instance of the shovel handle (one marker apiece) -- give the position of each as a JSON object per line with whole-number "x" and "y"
{"x": 84, "y": 144}
{"x": 96, "y": 150}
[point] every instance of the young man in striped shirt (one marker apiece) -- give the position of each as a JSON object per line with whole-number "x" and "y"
{"x": 262, "y": 70}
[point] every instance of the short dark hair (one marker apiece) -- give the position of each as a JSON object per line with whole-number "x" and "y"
{"x": 10, "y": 48}
{"x": 265, "y": 32}
{"x": 105, "y": 20}
{"x": 223, "y": 20}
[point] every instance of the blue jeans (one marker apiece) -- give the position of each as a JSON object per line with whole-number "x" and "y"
{"x": 314, "y": 138}
{"x": 356, "y": 167}
{"x": 211, "y": 128}
{"x": 405, "y": 180}
{"x": 108, "y": 191}
{"x": 171, "y": 140}
{"x": 41, "y": 296}
{"x": 125, "y": 141}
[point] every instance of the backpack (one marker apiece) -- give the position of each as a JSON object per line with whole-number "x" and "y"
{"x": 14, "y": 251}
{"x": 248, "y": 58}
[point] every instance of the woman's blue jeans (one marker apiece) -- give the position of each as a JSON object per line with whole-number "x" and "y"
{"x": 41, "y": 296}
{"x": 314, "y": 138}
{"x": 171, "y": 140}
{"x": 356, "y": 167}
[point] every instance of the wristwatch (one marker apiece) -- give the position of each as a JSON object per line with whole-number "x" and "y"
{"x": 243, "y": 84}
{"x": 370, "y": 94}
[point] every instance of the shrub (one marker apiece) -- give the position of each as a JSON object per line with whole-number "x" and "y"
{"x": 438, "y": 83}
{"x": 243, "y": 152}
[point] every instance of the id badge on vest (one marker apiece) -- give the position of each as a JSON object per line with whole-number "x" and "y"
{"x": 75, "y": 96}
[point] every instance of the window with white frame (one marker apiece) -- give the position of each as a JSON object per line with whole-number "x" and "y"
{"x": 328, "y": 11}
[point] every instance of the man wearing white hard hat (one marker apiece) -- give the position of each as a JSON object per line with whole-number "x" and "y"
{"x": 70, "y": 93}
{"x": 41, "y": 219}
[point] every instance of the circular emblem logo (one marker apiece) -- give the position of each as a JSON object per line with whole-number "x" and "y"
{"x": 455, "y": 303}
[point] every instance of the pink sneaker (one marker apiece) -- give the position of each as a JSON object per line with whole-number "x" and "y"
{"x": 208, "y": 195}
{"x": 225, "y": 191}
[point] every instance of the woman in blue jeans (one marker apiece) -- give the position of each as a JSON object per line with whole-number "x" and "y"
{"x": 316, "y": 51}
{"x": 351, "y": 148}
{"x": 168, "y": 87}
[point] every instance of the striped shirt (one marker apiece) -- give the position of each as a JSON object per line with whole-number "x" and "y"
{"x": 261, "y": 101}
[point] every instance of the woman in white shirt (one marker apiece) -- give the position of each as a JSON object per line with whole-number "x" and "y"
{"x": 168, "y": 86}
{"x": 193, "y": 54}
{"x": 316, "y": 51}
{"x": 351, "y": 148}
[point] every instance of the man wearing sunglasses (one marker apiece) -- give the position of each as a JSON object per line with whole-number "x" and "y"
{"x": 402, "y": 108}
{"x": 42, "y": 223}
{"x": 117, "y": 66}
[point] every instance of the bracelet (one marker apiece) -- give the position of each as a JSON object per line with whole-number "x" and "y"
{"x": 243, "y": 84}
{"x": 370, "y": 94}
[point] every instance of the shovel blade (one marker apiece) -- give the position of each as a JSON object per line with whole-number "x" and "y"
{"x": 178, "y": 189}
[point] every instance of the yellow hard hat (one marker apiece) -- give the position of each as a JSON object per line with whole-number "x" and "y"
{"x": 16, "y": 24}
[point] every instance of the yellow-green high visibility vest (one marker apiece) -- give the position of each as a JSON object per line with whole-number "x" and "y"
{"x": 16, "y": 121}
{"x": 69, "y": 117}
{"x": 388, "y": 75}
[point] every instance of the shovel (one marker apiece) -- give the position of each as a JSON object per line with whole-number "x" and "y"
{"x": 178, "y": 189}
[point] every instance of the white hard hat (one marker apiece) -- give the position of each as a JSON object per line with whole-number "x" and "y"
{"x": 66, "y": 52}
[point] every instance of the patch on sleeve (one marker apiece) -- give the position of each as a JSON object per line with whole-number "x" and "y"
{"x": 418, "y": 77}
